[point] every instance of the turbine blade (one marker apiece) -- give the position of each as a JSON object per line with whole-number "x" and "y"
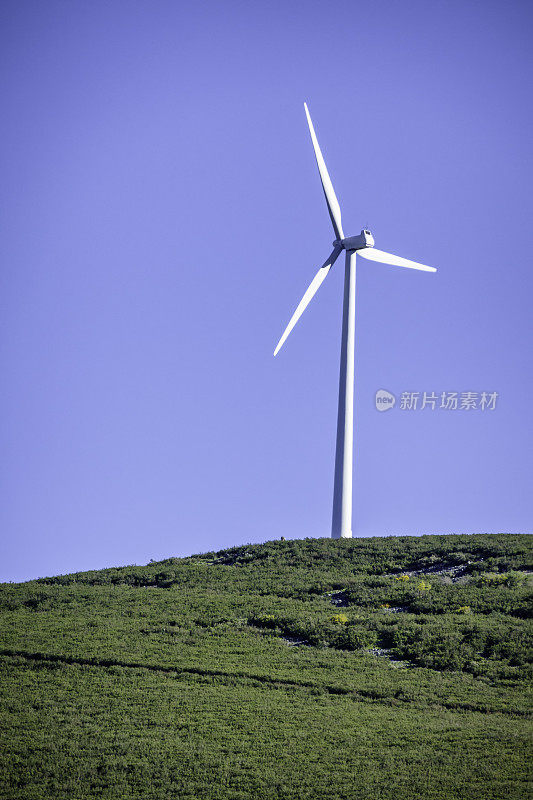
{"x": 373, "y": 254}
{"x": 331, "y": 198}
{"x": 308, "y": 296}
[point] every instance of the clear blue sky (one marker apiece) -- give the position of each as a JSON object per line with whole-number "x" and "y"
{"x": 162, "y": 216}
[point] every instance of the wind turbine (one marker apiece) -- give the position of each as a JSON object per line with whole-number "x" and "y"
{"x": 363, "y": 244}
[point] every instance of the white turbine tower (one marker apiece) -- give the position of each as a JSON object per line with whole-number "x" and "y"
{"x": 363, "y": 244}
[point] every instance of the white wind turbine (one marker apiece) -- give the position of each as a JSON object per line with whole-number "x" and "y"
{"x": 363, "y": 244}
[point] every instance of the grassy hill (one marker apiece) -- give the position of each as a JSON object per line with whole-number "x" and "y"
{"x": 335, "y": 670}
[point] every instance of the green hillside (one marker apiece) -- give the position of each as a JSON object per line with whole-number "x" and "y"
{"x": 366, "y": 668}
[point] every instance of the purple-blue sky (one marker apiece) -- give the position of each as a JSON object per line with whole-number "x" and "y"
{"x": 162, "y": 216}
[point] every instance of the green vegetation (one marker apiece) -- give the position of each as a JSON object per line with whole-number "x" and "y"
{"x": 335, "y": 670}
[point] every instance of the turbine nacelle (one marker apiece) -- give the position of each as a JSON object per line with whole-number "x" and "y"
{"x": 364, "y": 239}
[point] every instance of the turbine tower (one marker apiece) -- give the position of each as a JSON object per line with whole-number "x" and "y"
{"x": 362, "y": 244}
